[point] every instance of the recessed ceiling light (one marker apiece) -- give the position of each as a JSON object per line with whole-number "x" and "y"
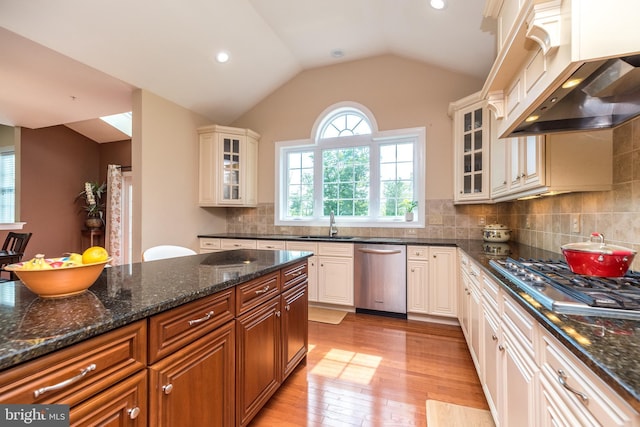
{"x": 438, "y": 4}
{"x": 222, "y": 57}
{"x": 337, "y": 53}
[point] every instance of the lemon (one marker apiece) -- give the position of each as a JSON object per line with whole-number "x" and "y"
{"x": 75, "y": 259}
{"x": 94, "y": 254}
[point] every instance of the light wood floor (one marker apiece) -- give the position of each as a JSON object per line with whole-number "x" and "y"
{"x": 375, "y": 371}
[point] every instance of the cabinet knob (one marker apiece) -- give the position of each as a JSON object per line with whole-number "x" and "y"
{"x": 501, "y": 347}
{"x": 278, "y": 313}
{"x": 167, "y": 389}
{"x": 413, "y": 270}
{"x": 435, "y": 256}
{"x": 133, "y": 413}
{"x": 287, "y": 307}
{"x": 494, "y": 337}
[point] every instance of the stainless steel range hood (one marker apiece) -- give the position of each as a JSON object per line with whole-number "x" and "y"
{"x": 598, "y": 95}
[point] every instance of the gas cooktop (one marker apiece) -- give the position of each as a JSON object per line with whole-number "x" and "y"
{"x": 557, "y": 288}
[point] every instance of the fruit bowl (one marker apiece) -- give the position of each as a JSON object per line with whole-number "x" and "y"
{"x": 61, "y": 281}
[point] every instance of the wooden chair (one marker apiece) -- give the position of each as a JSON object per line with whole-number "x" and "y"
{"x": 166, "y": 251}
{"x": 17, "y": 243}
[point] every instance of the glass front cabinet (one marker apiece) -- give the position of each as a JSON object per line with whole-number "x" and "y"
{"x": 471, "y": 134}
{"x": 228, "y": 174}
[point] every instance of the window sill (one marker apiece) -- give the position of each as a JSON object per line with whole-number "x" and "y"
{"x": 12, "y": 225}
{"x": 400, "y": 223}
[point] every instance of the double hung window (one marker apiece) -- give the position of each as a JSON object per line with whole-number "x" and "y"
{"x": 7, "y": 186}
{"x": 365, "y": 177}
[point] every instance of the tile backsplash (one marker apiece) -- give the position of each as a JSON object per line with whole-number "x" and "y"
{"x": 544, "y": 223}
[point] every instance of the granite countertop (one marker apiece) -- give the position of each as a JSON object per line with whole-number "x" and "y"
{"x": 31, "y": 326}
{"x": 609, "y": 347}
{"x": 338, "y": 239}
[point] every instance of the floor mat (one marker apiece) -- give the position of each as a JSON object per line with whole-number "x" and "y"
{"x": 443, "y": 414}
{"x": 325, "y": 315}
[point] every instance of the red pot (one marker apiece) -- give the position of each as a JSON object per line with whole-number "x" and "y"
{"x": 595, "y": 258}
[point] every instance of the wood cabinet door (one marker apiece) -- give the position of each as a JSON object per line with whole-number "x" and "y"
{"x": 258, "y": 347}
{"x": 295, "y": 321}
{"x": 123, "y": 405}
{"x": 195, "y": 386}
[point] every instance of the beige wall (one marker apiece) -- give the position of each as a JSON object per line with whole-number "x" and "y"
{"x": 165, "y": 173}
{"x": 401, "y": 93}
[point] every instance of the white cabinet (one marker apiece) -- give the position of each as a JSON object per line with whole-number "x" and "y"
{"x": 431, "y": 280}
{"x": 471, "y": 136}
{"x": 575, "y": 396}
{"x": 208, "y": 244}
{"x": 335, "y": 273}
{"x": 274, "y": 245}
{"x": 228, "y": 166}
{"x": 556, "y": 163}
{"x": 470, "y": 309}
{"x": 230, "y": 244}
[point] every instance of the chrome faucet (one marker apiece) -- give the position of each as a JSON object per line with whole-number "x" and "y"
{"x": 333, "y": 230}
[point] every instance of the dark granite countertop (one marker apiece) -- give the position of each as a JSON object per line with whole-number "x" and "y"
{"x": 609, "y": 347}
{"x": 31, "y": 326}
{"x": 338, "y": 239}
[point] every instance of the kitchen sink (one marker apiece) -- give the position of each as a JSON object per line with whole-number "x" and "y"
{"x": 322, "y": 237}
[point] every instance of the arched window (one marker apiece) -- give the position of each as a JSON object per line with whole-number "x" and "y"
{"x": 364, "y": 177}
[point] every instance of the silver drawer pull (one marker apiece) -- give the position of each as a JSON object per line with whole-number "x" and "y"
{"x": 202, "y": 319}
{"x": 65, "y": 383}
{"x": 562, "y": 379}
{"x": 263, "y": 290}
{"x": 167, "y": 389}
{"x": 297, "y": 273}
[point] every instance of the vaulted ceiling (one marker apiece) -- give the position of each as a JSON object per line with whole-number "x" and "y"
{"x": 73, "y": 60}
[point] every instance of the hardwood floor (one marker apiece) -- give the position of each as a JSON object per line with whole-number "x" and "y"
{"x": 375, "y": 371}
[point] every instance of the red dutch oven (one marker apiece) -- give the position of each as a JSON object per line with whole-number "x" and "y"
{"x": 595, "y": 258}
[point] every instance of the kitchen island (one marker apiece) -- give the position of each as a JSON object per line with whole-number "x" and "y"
{"x": 158, "y": 320}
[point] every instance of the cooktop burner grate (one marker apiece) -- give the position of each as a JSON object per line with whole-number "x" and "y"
{"x": 560, "y": 289}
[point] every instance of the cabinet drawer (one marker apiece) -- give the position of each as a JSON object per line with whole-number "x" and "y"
{"x": 237, "y": 244}
{"x": 293, "y": 275}
{"x": 176, "y": 328}
{"x": 598, "y": 400}
{"x": 255, "y": 292}
{"x": 418, "y": 252}
{"x": 490, "y": 291}
{"x": 74, "y": 374}
{"x": 335, "y": 249}
{"x": 519, "y": 324}
{"x": 302, "y": 246}
{"x": 271, "y": 244}
{"x": 209, "y": 243}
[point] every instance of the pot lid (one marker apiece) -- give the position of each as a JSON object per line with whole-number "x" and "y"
{"x": 597, "y": 245}
{"x": 496, "y": 227}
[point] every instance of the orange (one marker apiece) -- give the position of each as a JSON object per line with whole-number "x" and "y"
{"x": 94, "y": 254}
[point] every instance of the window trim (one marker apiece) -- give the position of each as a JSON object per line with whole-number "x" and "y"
{"x": 419, "y": 133}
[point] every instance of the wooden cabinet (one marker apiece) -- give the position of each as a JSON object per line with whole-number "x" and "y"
{"x": 195, "y": 385}
{"x": 312, "y": 265}
{"x": 228, "y": 166}
{"x": 259, "y": 358}
{"x": 123, "y": 405}
{"x": 102, "y": 379}
{"x": 471, "y": 139}
{"x": 295, "y": 308}
{"x": 431, "y": 280}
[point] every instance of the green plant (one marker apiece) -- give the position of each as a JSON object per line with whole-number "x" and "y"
{"x": 92, "y": 199}
{"x": 409, "y": 205}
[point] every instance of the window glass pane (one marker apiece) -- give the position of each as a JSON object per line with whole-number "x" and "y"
{"x": 467, "y": 122}
{"x": 346, "y": 123}
{"x": 300, "y": 184}
{"x": 7, "y": 186}
{"x": 396, "y": 178}
{"x": 345, "y": 179}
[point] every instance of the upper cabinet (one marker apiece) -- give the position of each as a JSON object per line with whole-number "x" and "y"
{"x": 228, "y": 166}
{"x": 542, "y": 43}
{"x": 471, "y": 133}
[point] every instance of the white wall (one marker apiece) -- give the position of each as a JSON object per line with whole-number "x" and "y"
{"x": 165, "y": 173}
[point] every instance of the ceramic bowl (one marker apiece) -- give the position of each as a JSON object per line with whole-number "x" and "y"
{"x": 59, "y": 282}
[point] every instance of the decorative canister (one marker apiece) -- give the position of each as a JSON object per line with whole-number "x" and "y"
{"x": 496, "y": 233}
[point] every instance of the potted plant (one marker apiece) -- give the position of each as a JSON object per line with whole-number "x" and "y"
{"x": 409, "y": 206}
{"x": 92, "y": 203}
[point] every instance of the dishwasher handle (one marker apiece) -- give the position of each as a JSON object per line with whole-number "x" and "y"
{"x": 380, "y": 251}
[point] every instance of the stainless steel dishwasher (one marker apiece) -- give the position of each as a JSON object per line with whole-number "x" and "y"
{"x": 380, "y": 279}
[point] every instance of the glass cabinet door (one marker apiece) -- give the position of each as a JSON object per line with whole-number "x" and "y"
{"x": 473, "y": 145}
{"x": 231, "y": 168}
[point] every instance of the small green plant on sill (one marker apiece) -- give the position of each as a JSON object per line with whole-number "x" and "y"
{"x": 409, "y": 205}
